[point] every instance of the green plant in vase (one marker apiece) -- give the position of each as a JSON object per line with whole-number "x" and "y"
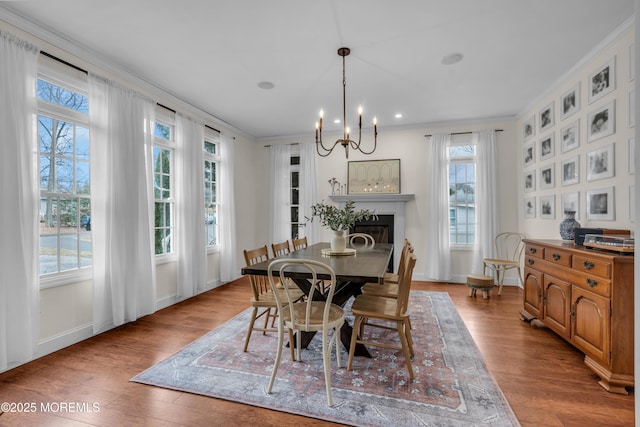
{"x": 339, "y": 220}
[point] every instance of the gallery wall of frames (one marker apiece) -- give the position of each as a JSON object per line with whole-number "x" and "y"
{"x": 577, "y": 144}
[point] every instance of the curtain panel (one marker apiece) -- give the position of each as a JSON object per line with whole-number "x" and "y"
{"x": 190, "y": 228}
{"x": 280, "y": 207}
{"x": 229, "y": 269}
{"x": 308, "y": 190}
{"x": 438, "y": 259}
{"x": 122, "y": 204}
{"x": 486, "y": 197}
{"x": 19, "y": 188}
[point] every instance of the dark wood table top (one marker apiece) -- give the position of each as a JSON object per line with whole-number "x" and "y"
{"x": 367, "y": 265}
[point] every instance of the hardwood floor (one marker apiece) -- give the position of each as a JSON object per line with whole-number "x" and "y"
{"x": 544, "y": 379}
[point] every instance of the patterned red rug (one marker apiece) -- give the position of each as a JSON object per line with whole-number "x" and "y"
{"x": 452, "y": 386}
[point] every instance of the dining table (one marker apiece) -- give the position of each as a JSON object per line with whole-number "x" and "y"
{"x": 360, "y": 265}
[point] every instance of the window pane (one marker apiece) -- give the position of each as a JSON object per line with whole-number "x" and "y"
{"x": 294, "y": 214}
{"x": 64, "y": 176}
{"x": 60, "y": 96}
{"x": 210, "y": 147}
{"x": 295, "y": 160}
{"x": 64, "y": 139}
{"x": 48, "y": 254}
{"x": 295, "y": 179}
{"x": 461, "y": 150}
{"x": 46, "y": 172}
{"x": 68, "y": 252}
{"x": 82, "y": 178}
{"x": 162, "y": 131}
{"x": 295, "y": 196}
{"x": 45, "y": 134}
{"x": 82, "y": 143}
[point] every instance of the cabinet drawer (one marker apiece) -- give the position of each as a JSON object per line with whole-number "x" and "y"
{"x": 593, "y": 283}
{"x": 558, "y": 256}
{"x": 592, "y": 266}
{"x": 534, "y": 250}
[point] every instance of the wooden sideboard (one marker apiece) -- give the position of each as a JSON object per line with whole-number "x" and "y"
{"x": 586, "y": 297}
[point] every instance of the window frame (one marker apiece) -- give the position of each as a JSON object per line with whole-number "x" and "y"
{"x": 463, "y": 140}
{"x": 165, "y": 118}
{"x": 69, "y": 79}
{"x": 295, "y": 168}
{"x": 212, "y": 137}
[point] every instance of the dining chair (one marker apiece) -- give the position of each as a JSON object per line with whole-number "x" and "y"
{"x": 307, "y": 316}
{"x": 389, "y": 288}
{"x": 300, "y": 243}
{"x": 508, "y": 251}
{"x": 361, "y": 240}
{"x": 262, "y": 297}
{"x": 281, "y": 248}
{"x": 369, "y": 310}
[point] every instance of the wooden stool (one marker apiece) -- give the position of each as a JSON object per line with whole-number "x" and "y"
{"x": 481, "y": 282}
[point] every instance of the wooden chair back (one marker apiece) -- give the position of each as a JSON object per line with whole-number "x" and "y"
{"x": 281, "y": 248}
{"x": 404, "y": 285}
{"x": 361, "y": 240}
{"x": 259, "y": 284}
{"x": 300, "y": 243}
{"x": 508, "y": 246}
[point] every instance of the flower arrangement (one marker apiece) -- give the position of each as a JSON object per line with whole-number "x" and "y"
{"x": 339, "y": 219}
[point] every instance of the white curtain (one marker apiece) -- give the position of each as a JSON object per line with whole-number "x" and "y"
{"x": 19, "y": 285}
{"x": 486, "y": 197}
{"x": 190, "y": 225}
{"x": 308, "y": 190}
{"x": 280, "y": 217}
{"x": 438, "y": 256}
{"x": 228, "y": 258}
{"x": 122, "y": 215}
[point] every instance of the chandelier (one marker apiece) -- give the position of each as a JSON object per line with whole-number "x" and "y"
{"x": 345, "y": 141}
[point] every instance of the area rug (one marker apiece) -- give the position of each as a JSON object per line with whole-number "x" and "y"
{"x": 452, "y": 386}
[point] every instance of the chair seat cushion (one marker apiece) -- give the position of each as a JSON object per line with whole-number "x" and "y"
{"x": 336, "y": 316}
{"x": 388, "y": 290}
{"x": 374, "y": 306}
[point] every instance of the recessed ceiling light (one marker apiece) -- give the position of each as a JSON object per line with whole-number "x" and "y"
{"x": 451, "y": 59}
{"x": 398, "y": 115}
{"x": 265, "y": 85}
{"x": 336, "y": 121}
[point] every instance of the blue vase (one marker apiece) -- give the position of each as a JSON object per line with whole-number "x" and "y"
{"x": 568, "y": 225}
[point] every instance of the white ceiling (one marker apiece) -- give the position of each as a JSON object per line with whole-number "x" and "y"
{"x": 213, "y": 53}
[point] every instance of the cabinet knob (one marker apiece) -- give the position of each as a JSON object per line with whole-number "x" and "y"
{"x": 555, "y": 256}
{"x": 588, "y": 265}
{"x": 533, "y": 250}
{"x": 530, "y": 261}
{"x": 591, "y": 283}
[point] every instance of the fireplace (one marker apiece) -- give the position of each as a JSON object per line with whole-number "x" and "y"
{"x": 384, "y": 205}
{"x": 380, "y": 229}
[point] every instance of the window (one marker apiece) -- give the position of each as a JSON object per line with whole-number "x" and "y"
{"x": 63, "y": 164}
{"x": 211, "y": 185}
{"x": 462, "y": 185}
{"x": 163, "y": 149}
{"x": 296, "y": 222}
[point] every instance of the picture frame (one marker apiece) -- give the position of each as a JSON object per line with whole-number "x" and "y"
{"x": 547, "y": 146}
{"x": 571, "y": 202}
{"x": 548, "y": 206}
{"x": 547, "y": 176}
{"x": 546, "y": 118}
{"x": 529, "y": 181}
{"x": 632, "y": 108}
{"x": 529, "y": 154}
{"x": 373, "y": 176}
{"x": 601, "y": 122}
{"x": 632, "y": 203}
{"x": 602, "y": 81}
{"x": 632, "y": 155}
{"x": 601, "y": 163}
{"x": 570, "y": 136}
{"x": 601, "y": 204}
{"x": 570, "y": 169}
{"x": 570, "y": 102}
{"x": 529, "y": 129}
{"x": 529, "y": 207}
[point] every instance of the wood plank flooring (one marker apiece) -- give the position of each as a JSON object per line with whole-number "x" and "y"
{"x": 544, "y": 379}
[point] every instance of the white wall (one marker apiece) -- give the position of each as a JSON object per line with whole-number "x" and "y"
{"x": 410, "y": 146}
{"x": 618, "y": 47}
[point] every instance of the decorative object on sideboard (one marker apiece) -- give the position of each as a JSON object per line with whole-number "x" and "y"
{"x": 346, "y": 140}
{"x": 568, "y": 225}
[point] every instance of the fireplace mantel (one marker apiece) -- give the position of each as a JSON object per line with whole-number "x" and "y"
{"x": 383, "y": 204}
